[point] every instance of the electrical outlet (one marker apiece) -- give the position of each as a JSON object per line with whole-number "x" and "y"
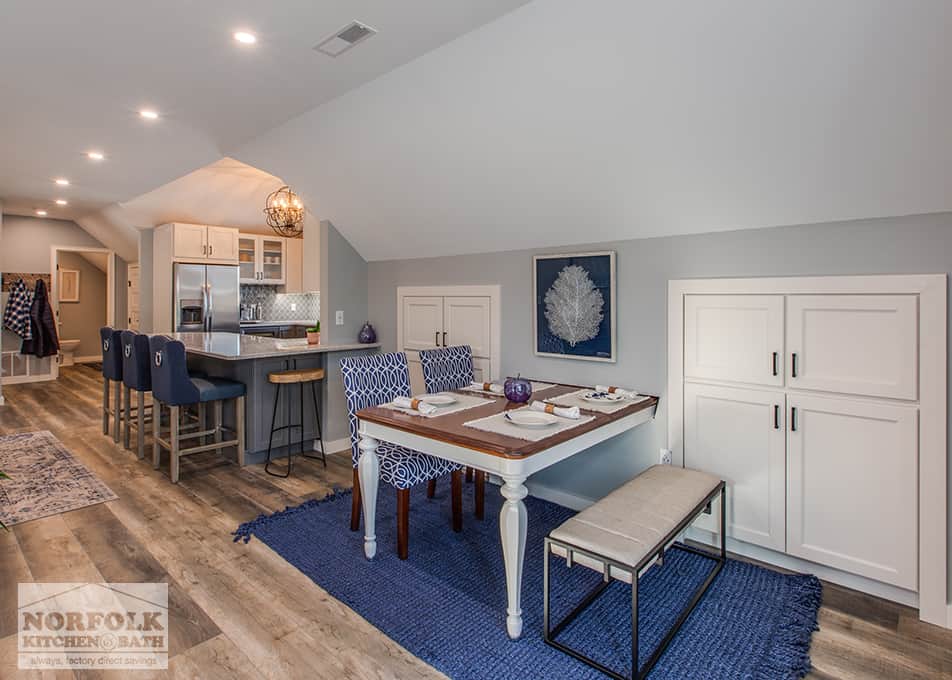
{"x": 293, "y": 306}
{"x": 339, "y": 317}
{"x": 665, "y": 458}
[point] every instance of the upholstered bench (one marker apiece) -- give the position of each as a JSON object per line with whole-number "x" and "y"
{"x": 625, "y": 533}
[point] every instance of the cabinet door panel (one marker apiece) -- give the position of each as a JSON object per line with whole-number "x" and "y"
{"x": 734, "y": 337}
{"x": 248, "y": 258}
{"x": 854, "y": 344}
{"x": 738, "y": 435}
{"x": 222, "y": 245}
{"x": 852, "y": 494}
{"x": 467, "y": 321}
{"x": 273, "y": 260}
{"x": 422, "y": 322}
{"x": 188, "y": 241}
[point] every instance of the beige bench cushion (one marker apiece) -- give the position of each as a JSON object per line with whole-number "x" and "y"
{"x": 634, "y": 519}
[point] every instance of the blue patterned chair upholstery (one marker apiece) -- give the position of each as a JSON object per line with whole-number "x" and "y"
{"x": 371, "y": 381}
{"x": 447, "y": 368}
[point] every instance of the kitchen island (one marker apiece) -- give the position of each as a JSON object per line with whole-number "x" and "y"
{"x": 249, "y": 359}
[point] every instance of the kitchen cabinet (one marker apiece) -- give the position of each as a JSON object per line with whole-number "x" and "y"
{"x": 262, "y": 260}
{"x": 739, "y": 435}
{"x": 203, "y": 243}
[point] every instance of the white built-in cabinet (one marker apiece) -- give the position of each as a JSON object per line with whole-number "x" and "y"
{"x": 445, "y": 319}
{"x": 262, "y": 259}
{"x": 806, "y": 406}
{"x": 204, "y": 243}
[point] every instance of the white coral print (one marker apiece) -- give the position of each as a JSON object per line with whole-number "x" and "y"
{"x": 573, "y": 306}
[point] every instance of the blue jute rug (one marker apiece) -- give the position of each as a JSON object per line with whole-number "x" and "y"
{"x": 446, "y": 604}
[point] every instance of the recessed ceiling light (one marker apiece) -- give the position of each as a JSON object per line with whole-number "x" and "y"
{"x": 41, "y": 213}
{"x": 245, "y": 37}
{"x": 95, "y": 155}
{"x": 149, "y": 114}
{"x": 61, "y": 201}
{"x": 62, "y": 181}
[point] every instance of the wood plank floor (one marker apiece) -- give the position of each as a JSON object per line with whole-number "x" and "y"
{"x": 240, "y": 611}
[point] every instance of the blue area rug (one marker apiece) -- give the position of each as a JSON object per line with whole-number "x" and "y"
{"x": 446, "y": 604}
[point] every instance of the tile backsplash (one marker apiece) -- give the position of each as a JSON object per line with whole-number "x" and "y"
{"x": 276, "y": 306}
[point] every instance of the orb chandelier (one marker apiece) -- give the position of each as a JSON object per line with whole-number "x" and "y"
{"x": 285, "y": 213}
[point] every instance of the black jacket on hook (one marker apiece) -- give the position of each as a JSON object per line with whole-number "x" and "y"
{"x": 44, "y": 341}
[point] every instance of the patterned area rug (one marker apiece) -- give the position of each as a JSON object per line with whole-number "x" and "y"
{"x": 446, "y": 603}
{"x": 45, "y": 479}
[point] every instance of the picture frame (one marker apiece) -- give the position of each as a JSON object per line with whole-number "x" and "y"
{"x": 562, "y": 281}
{"x": 68, "y": 285}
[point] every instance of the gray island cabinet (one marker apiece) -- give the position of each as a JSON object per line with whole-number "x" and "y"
{"x": 250, "y": 358}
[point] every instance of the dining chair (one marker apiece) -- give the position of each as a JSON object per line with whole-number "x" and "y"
{"x": 378, "y": 379}
{"x": 446, "y": 369}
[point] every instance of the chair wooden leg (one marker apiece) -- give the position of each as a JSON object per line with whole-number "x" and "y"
{"x": 480, "y": 494}
{"x": 105, "y": 405}
{"x": 140, "y": 425}
{"x": 403, "y": 523}
{"x": 240, "y": 429}
{"x": 469, "y": 475}
{"x": 457, "y": 478}
{"x": 117, "y": 411}
{"x": 174, "y": 441}
{"x": 156, "y": 432}
{"x": 431, "y": 488}
{"x": 355, "y": 504}
{"x": 127, "y": 429}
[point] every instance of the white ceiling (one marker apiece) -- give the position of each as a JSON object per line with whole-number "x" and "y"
{"x": 74, "y": 74}
{"x": 568, "y": 122}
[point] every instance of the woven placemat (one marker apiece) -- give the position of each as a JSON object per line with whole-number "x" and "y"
{"x": 499, "y": 424}
{"x": 575, "y": 399}
{"x": 536, "y": 387}
{"x": 463, "y": 402}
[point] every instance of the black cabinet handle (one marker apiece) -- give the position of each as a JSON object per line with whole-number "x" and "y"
{"x": 793, "y": 365}
{"x": 444, "y": 338}
{"x": 793, "y": 418}
{"x": 776, "y": 417}
{"x": 436, "y": 340}
{"x": 775, "y": 367}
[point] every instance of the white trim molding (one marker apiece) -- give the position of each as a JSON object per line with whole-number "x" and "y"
{"x": 933, "y": 508}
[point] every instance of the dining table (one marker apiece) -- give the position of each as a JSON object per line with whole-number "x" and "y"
{"x": 512, "y": 459}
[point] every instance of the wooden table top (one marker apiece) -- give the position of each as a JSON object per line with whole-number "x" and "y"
{"x": 450, "y": 428}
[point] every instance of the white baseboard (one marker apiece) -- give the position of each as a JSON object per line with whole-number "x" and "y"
{"x": 335, "y": 446}
{"x": 88, "y": 359}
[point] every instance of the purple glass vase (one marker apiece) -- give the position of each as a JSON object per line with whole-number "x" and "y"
{"x": 367, "y": 334}
{"x": 518, "y": 389}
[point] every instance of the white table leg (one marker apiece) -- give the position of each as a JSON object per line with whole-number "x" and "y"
{"x": 368, "y": 470}
{"x": 512, "y": 531}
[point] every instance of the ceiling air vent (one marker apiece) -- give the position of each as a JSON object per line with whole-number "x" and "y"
{"x": 351, "y": 34}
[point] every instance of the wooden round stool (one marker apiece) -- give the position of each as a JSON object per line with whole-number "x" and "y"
{"x": 300, "y": 377}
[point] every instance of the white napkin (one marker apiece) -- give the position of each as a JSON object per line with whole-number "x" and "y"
{"x": 563, "y": 411}
{"x": 627, "y": 394}
{"x": 414, "y": 405}
{"x": 495, "y": 388}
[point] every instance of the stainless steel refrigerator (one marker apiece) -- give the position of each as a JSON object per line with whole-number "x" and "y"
{"x": 206, "y": 298}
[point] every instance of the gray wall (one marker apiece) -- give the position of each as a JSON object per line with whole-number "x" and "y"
{"x": 145, "y": 280}
{"x": 343, "y": 287}
{"x": 82, "y": 320}
{"x": 27, "y": 240}
{"x": 902, "y": 245}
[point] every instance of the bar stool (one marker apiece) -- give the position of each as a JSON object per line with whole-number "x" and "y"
{"x": 111, "y": 372}
{"x": 136, "y": 376}
{"x": 299, "y": 377}
{"x": 173, "y": 387}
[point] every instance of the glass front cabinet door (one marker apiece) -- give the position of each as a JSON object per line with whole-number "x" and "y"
{"x": 262, "y": 259}
{"x": 247, "y": 259}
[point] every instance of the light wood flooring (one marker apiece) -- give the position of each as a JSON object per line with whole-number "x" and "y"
{"x": 240, "y": 611}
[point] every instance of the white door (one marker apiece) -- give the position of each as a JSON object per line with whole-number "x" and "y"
{"x": 272, "y": 260}
{"x": 189, "y": 241}
{"x": 222, "y": 245}
{"x": 468, "y": 321}
{"x": 247, "y": 258}
{"x": 854, "y": 344}
{"x": 737, "y": 338}
{"x": 132, "y": 299}
{"x": 422, "y": 329}
{"x": 852, "y": 496}
{"x": 738, "y": 435}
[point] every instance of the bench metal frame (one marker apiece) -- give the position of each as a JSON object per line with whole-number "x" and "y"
{"x": 657, "y": 553}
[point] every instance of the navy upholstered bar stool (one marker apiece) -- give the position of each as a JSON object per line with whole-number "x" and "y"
{"x": 172, "y": 387}
{"x": 111, "y": 340}
{"x": 137, "y": 377}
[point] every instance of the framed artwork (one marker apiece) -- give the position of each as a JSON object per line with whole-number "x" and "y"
{"x": 69, "y": 285}
{"x": 573, "y": 315}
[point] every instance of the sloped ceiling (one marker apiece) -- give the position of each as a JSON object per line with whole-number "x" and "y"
{"x": 566, "y": 122}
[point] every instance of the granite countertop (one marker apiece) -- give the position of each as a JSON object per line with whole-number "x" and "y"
{"x": 279, "y": 322}
{"x": 237, "y": 347}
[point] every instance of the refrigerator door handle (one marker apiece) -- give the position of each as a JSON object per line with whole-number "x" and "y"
{"x": 208, "y": 296}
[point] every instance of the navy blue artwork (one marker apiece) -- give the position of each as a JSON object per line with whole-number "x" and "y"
{"x": 574, "y": 304}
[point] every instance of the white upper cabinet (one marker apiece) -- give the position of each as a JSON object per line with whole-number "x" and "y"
{"x": 736, "y": 338}
{"x": 188, "y": 241}
{"x": 852, "y": 486}
{"x": 422, "y": 322}
{"x": 222, "y": 244}
{"x": 853, "y": 344}
{"x": 739, "y": 435}
{"x": 201, "y": 243}
{"x": 262, "y": 259}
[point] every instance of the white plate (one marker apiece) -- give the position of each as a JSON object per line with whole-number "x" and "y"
{"x": 601, "y": 397}
{"x": 532, "y": 419}
{"x": 439, "y": 399}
